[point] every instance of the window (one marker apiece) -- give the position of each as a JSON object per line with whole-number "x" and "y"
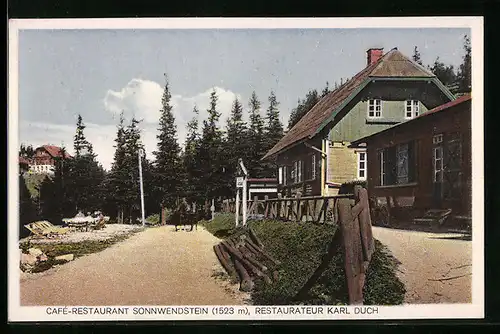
{"x": 285, "y": 175}
{"x": 412, "y": 109}
{"x": 362, "y": 165}
{"x": 402, "y": 164}
{"x": 313, "y": 166}
{"x": 437, "y": 139}
{"x": 280, "y": 175}
{"x": 438, "y": 164}
{"x": 374, "y": 108}
{"x": 398, "y": 164}
{"x": 310, "y": 171}
{"x": 382, "y": 168}
{"x": 296, "y": 175}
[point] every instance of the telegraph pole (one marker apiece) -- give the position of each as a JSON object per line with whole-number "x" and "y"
{"x": 141, "y": 152}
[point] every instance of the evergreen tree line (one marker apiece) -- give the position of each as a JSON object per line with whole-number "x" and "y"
{"x": 204, "y": 169}
{"x": 457, "y": 80}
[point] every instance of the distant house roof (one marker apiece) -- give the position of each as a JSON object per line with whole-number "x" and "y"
{"x": 54, "y": 151}
{"x": 391, "y": 65}
{"x": 438, "y": 109}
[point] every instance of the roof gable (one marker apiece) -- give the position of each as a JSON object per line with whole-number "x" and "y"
{"x": 392, "y": 65}
{"x": 54, "y": 151}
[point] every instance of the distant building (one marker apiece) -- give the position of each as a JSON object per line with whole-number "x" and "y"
{"x": 44, "y": 159}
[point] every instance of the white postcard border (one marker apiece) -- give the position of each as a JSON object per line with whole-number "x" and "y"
{"x": 18, "y": 313}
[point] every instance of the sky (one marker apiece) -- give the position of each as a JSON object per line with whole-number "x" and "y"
{"x": 100, "y": 73}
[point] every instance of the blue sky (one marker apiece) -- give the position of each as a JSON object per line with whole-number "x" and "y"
{"x": 98, "y": 73}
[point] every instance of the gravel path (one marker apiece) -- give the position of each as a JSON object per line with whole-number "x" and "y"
{"x": 155, "y": 267}
{"x": 427, "y": 257}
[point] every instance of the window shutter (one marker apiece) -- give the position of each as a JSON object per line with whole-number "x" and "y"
{"x": 412, "y": 161}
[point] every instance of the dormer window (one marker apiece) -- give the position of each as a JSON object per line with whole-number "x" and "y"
{"x": 412, "y": 109}
{"x": 374, "y": 108}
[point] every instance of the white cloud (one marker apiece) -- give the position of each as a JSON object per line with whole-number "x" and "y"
{"x": 142, "y": 99}
{"x": 139, "y": 98}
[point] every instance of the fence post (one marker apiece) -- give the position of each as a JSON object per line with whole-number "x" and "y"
{"x": 299, "y": 209}
{"x": 266, "y": 206}
{"x": 237, "y": 208}
{"x": 279, "y": 206}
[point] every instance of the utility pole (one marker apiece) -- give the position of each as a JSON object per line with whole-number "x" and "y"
{"x": 141, "y": 152}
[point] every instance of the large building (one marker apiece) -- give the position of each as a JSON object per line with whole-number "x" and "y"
{"x": 314, "y": 157}
{"x": 44, "y": 159}
{"x": 426, "y": 162}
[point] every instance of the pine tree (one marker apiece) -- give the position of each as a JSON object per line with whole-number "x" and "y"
{"x": 167, "y": 162}
{"x": 416, "y": 56}
{"x": 274, "y": 130}
{"x": 325, "y": 90}
{"x": 445, "y": 73}
{"x": 80, "y": 143}
{"x": 236, "y": 139}
{"x": 256, "y": 138}
{"x": 464, "y": 74}
{"x": 115, "y": 187}
{"x": 303, "y": 107}
{"x": 191, "y": 166}
{"x": 86, "y": 175}
{"x": 133, "y": 144}
{"x": 210, "y": 157}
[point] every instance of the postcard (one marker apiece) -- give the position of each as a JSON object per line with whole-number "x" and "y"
{"x": 255, "y": 169}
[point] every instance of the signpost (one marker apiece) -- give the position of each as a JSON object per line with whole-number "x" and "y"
{"x": 241, "y": 183}
{"x": 141, "y": 153}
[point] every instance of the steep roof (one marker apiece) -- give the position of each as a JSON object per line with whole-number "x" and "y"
{"x": 54, "y": 151}
{"x": 438, "y": 109}
{"x": 392, "y": 65}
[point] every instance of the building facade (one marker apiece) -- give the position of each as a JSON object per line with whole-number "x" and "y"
{"x": 426, "y": 162}
{"x": 44, "y": 159}
{"x": 315, "y": 156}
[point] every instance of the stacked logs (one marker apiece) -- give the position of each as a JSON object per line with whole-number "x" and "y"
{"x": 243, "y": 256}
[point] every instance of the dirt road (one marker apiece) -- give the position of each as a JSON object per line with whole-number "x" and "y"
{"x": 435, "y": 267}
{"x": 155, "y": 267}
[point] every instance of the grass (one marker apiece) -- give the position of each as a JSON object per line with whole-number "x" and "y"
{"x": 78, "y": 249}
{"x": 300, "y": 248}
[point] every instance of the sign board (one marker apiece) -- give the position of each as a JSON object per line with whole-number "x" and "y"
{"x": 239, "y": 182}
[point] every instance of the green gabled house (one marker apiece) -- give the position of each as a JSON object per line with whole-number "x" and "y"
{"x": 314, "y": 157}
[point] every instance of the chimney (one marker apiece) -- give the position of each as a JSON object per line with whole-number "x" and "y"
{"x": 373, "y": 55}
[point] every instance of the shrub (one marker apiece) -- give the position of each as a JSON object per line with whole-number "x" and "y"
{"x": 300, "y": 248}
{"x": 153, "y": 219}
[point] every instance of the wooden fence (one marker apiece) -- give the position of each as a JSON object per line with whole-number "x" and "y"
{"x": 316, "y": 209}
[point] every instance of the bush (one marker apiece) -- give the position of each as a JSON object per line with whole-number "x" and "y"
{"x": 300, "y": 249}
{"x": 153, "y": 219}
{"x": 348, "y": 187}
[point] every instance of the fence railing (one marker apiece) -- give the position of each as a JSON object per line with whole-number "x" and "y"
{"x": 316, "y": 209}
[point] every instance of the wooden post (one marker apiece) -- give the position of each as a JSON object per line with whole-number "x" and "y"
{"x": 279, "y": 206}
{"x": 237, "y": 208}
{"x": 299, "y": 209}
{"x": 245, "y": 203}
{"x": 212, "y": 209}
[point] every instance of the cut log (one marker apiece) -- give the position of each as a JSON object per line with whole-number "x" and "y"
{"x": 225, "y": 263}
{"x": 224, "y": 253}
{"x": 238, "y": 256}
{"x": 246, "y": 283}
{"x": 263, "y": 253}
{"x": 253, "y": 261}
{"x": 254, "y": 238}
